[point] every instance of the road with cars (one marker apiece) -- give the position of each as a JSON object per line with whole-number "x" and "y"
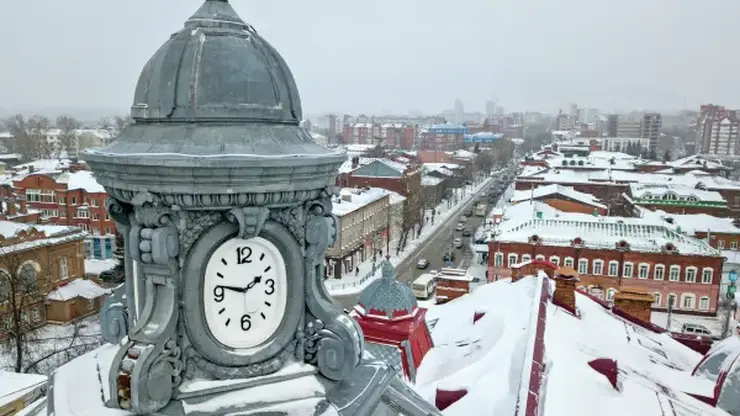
{"x": 435, "y": 247}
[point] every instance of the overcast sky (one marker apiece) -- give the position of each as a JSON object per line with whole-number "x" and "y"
{"x": 374, "y": 56}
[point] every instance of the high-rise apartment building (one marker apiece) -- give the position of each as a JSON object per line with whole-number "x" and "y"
{"x": 650, "y": 128}
{"x": 717, "y": 131}
{"x": 647, "y": 126}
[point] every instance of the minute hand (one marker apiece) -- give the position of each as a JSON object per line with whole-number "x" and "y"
{"x": 236, "y": 289}
{"x": 256, "y": 280}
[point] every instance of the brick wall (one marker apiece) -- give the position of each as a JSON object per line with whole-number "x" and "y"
{"x": 566, "y": 205}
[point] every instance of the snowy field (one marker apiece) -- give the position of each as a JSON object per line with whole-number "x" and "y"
{"x": 349, "y": 285}
{"x": 54, "y": 345}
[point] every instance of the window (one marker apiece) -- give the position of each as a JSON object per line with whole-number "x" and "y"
{"x": 656, "y": 302}
{"x": 687, "y": 301}
{"x": 706, "y": 275}
{"x": 659, "y": 272}
{"x": 539, "y": 257}
{"x": 628, "y": 269}
{"x": 107, "y": 230}
{"x": 598, "y": 267}
{"x": 733, "y": 245}
{"x": 512, "y": 256}
{"x": 91, "y": 304}
{"x": 691, "y": 274}
{"x": 63, "y": 269}
{"x": 62, "y": 213}
{"x": 674, "y": 273}
{"x": 569, "y": 262}
{"x": 526, "y": 258}
{"x": 721, "y": 244}
{"x": 82, "y": 213}
{"x": 62, "y": 200}
{"x": 610, "y": 294}
{"x": 613, "y": 268}
{"x": 671, "y": 300}
{"x": 643, "y": 271}
{"x": 85, "y": 227}
{"x": 498, "y": 259}
{"x": 35, "y": 316}
{"x": 704, "y": 303}
{"x": 48, "y": 196}
{"x": 96, "y": 216}
{"x": 73, "y": 200}
{"x": 555, "y": 260}
{"x": 28, "y": 277}
{"x": 582, "y": 266}
{"x": 33, "y": 195}
{"x": 94, "y": 202}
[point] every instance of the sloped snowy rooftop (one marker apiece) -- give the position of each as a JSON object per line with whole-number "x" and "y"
{"x": 658, "y": 191}
{"x": 351, "y": 199}
{"x": 566, "y": 176}
{"x": 82, "y": 288}
{"x": 14, "y": 386}
{"x": 555, "y": 189}
{"x": 83, "y": 179}
{"x": 491, "y": 358}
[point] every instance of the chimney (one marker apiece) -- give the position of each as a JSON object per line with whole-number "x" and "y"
{"x": 635, "y": 303}
{"x": 23, "y": 206}
{"x": 11, "y": 207}
{"x": 565, "y": 287}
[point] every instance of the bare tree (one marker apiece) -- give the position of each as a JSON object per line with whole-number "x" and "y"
{"x": 484, "y": 161}
{"x": 37, "y": 126}
{"x": 121, "y": 122}
{"x": 19, "y": 142}
{"x": 87, "y": 140}
{"x": 376, "y": 152}
{"x": 21, "y": 292}
{"x": 68, "y": 134}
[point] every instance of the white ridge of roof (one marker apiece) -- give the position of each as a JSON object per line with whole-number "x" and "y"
{"x": 83, "y": 179}
{"x": 567, "y": 191}
{"x": 78, "y": 288}
{"x": 359, "y": 197}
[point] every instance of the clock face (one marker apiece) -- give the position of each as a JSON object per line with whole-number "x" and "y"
{"x": 245, "y": 292}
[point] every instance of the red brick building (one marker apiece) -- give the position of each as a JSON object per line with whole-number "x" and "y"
{"x": 71, "y": 198}
{"x": 563, "y": 198}
{"x": 611, "y": 253}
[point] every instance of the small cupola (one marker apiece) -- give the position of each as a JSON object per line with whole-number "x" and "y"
{"x": 387, "y": 297}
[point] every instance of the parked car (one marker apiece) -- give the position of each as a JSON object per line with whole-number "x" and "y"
{"x": 469, "y": 213}
{"x": 463, "y": 219}
{"x": 466, "y": 233}
{"x": 460, "y": 227}
{"x": 457, "y": 243}
{"x": 422, "y": 264}
{"x": 450, "y": 256}
{"x": 695, "y": 329}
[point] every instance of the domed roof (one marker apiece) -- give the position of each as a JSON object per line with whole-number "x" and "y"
{"x": 387, "y": 296}
{"x": 216, "y": 68}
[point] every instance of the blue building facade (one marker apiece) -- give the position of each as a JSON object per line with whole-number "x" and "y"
{"x": 482, "y": 137}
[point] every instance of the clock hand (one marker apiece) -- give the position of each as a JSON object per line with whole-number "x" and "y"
{"x": 236, "y": 289}
{"x": 256, "y": 280}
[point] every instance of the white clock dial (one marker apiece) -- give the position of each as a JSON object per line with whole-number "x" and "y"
{"x": 245, "y": 292}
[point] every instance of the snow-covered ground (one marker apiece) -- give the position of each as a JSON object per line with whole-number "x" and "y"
{"x": 95, "y": 266}
{"x": 54, "y": 345}
{"x": 352, "y": 284}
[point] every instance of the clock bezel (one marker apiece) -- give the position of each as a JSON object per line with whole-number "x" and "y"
{"x": 193, "y": 307}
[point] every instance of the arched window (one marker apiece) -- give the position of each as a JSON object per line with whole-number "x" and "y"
{"x": 540, "y": 257}
{"x": 28, "y": 277}
{"x": 706, "y": 275}
{"x": 526, "y": 258}
{"x": 704, "y": 303}
{"x": 691, "y": 274}
{"x": 688, "y": 301}
{"x": 656, "y": 302}
{"x": 610, "y": 294}
{"x": 598, "y": 267}
{"x": 659, "y": 272}
{"x": 582, "y": 266}
{"x": 674, "y": 274}
{"x": 63, "y": 268}
{"x": 643, "y": 271}
{"x": 672, "y": 300}
{"x": 628, "y": 270}
{"x": 555, "y": 260}
{"x": 568, "y": 262}
{"x": 512, "y": 259}
{"x": 498, "y": 259}
{"x": 613, "y": 268}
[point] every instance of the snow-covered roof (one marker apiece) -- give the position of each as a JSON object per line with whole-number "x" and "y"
{"x": 351, "y": 199}
{"x": 678, "y": 191}
{"x": 492, "y": 358}
{"x": 607, "y": 155}
{"x": 83, "y": 179}
{"x": 437, "y": 166}
{"x": 42, "y": 165}
{"x": 589, "y": 162}
{"x": 14, "y": 386}
{"x": 11, "y": 229}
{"x": 566, "y": 176}
{"x": 691, "y": 223}
{"x": 78, "y": 288}
{"x": 556, "y": 189}
{"x": 463, "y": 154}
{"x": 359, "y": 148}
{"x": 387, "y": 297}
{"x": 427, "y": 180}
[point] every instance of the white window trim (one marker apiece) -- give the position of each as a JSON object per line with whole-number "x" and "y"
{"x": 655, "y": 272}
{"x": 555, "y": 260}
{"x": 709, "y": 303}
{"x": 678, "y": 273}
{"x": 610, "y": 294}
{"x": 657, "y": 298}
{"x": 526, "y": 258}
{"x": 686, "y": 276}
{"x": 498, "y": 259}
{"x": 711, "y": 275}
{"x": 616, "y": 268}
{"x": 628, "y": 265}
{"x": 539, "y": 257}
{"x": 583, "y": 262}
{"x": 512, "y": 256}
{"x": 63, "y": 268}
{"x": 691, "y": 296}
{"x": 647, "y": 274}
{"x": 668, "y": 297}
{"x": 593, "y": 267}
{"x": 569, "y": 261}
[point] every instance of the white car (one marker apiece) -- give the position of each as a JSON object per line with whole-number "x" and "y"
{"x": 422, "y": 264}
{"x": 457, "y": 242}
{"x": 460, "y": 227}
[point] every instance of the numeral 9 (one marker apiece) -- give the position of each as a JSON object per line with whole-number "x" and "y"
{"x": 218, "y": 294}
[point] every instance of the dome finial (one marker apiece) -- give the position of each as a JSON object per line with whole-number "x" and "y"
{"x": 388, "y": 271}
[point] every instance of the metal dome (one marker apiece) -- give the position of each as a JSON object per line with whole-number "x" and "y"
{"x": 388, "y": 296}
{"x": 216, "y": 68}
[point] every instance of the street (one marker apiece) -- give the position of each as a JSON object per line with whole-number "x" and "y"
{"x": 433, "y": 249}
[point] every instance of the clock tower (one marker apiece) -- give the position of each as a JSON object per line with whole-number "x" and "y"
{"x": 225, "y": 204}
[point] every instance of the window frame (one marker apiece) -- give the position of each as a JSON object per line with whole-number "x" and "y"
{"x": 660, "y": 267}
{"x": 615, "y": 264}
{"x": 628, "y": 265}
{"x": 510, "y": 256}
{"x": 600, "y": 264}
{"x": 584, "y": 269}
{"x": 709, "y": 303}
{"x": 711, "y": 275}
{"x": 640, "y": 268}
{"x": 678, "y": 273}
{"x": 687, "y": 274}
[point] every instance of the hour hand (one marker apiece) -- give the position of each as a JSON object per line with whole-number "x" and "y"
{"x": 236, "y": 289}
{"x": 256, "y": 280}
